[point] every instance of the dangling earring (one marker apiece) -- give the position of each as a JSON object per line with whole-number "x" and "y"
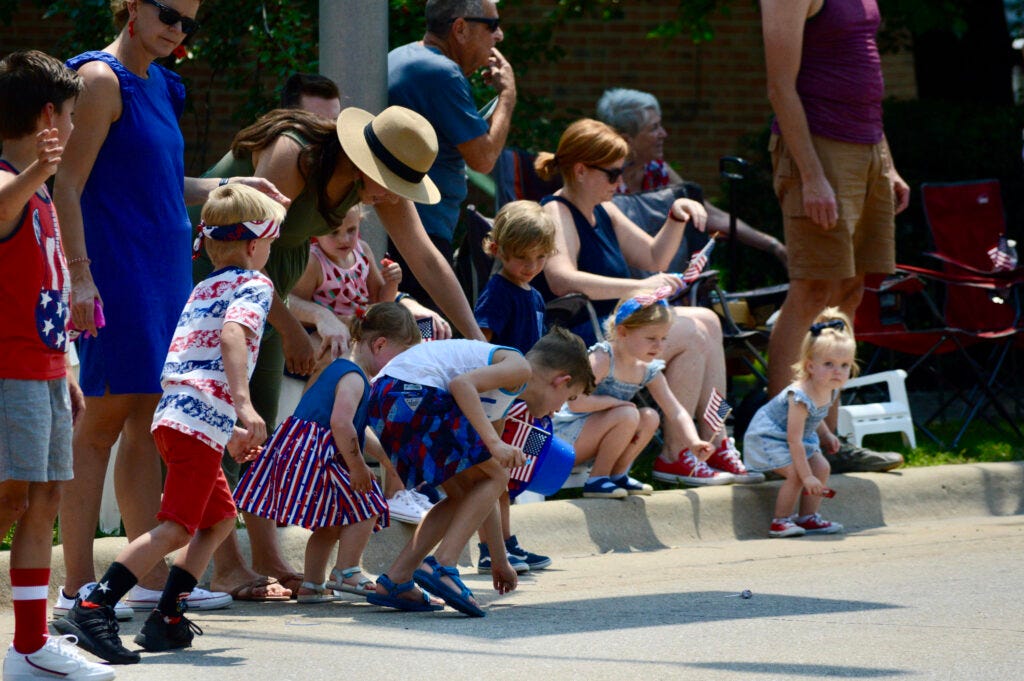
{"x": 180, "y": 52}
{"x": 131, "y": 28}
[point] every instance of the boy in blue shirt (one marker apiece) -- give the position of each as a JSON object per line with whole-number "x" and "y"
{"x": 510, "y": 312}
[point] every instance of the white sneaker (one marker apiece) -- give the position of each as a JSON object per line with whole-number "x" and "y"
{"x": 405, "y": 509}
{"x": 57, "y": 659}
{"x": 141, "y": 598}
{"x": 422, "y": 499}
{"x": 64, "y": 604}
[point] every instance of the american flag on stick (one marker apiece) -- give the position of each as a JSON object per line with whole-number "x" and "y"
{"x": 698, "y": 261}
{"x": 1004, "y": 254}
{"x": 519, "y": 432}
{"x": 716, "y": 411}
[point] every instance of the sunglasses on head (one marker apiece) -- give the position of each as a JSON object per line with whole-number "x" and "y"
{"x": 491, "y": 22}
{"x": 613, "y": 174}
{"x": 171, "y": 16}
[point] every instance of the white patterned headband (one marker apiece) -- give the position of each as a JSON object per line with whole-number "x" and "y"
{"x": 239, "y": 231}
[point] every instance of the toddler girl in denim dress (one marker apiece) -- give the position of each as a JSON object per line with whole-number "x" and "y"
{"x": 796, "y": 415}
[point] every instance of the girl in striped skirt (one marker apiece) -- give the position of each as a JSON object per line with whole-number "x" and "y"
{"x": 312, "y": 472}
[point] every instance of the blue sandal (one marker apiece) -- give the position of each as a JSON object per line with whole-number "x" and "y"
{"x": 392, "y": 599}
{"x": 431, "y": 581}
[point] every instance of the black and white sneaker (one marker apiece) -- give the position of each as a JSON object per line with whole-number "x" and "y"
{"x": 158, "y": 634}
{"x": 96, "y": 629}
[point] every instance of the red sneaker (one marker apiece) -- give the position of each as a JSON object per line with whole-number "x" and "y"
{"x": 815, "y": 524}
{"x": 689, "y": 471}
{"x": 785, "y": 527}
{"x": 727, "y": 458}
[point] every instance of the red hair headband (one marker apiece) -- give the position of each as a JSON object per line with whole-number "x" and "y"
{"x": 657, "y": 296}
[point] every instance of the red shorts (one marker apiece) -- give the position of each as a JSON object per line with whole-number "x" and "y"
{"x": 196, "y": 493}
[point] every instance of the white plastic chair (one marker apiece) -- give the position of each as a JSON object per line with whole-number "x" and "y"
{"x": 858, "y": 420}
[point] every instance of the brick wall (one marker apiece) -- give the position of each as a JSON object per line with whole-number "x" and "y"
{"x": 711, "y": 95}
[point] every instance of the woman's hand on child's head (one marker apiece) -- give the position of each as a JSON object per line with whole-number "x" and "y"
{"x": 813, "y": 485}
{"x": 702, "y": 450}
{"x": 391, "y": 271}
{"x": 48, "y": 150}
{"x": 361, "y": 478}
{"x": 656, "y": 281}
{"x": 265, "y": 186}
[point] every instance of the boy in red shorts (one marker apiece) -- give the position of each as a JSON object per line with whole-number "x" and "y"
{"x": 206, "y": 388}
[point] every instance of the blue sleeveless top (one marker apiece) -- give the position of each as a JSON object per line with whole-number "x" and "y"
{"x": 318, "y": 402}
{"x": 136, "y": 232}
{"x": 599, "y": 254}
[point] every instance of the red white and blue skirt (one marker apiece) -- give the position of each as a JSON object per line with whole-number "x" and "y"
{"x": 299, "y": 479}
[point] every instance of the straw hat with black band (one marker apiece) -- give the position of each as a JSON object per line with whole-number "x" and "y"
{"x": 394, "y": 149}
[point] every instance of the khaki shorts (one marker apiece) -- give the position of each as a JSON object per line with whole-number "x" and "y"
{"x": 863, "y": 239}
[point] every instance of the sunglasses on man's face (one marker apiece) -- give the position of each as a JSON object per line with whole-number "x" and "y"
{"x": 172, "y": 16}
{"x": 491, "y": 22}
{"x": 613, "y": 174}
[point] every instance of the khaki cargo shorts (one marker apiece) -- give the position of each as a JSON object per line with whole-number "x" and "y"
{"x": 863, "y": 239}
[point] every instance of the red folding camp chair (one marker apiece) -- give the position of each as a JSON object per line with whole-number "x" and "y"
{"x": 978, "y": 312}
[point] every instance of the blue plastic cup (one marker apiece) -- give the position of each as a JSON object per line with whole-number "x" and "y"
{"x": 553, "y": 466}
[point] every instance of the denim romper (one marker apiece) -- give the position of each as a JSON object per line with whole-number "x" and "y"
{"x": 765, "y": 447}
{"x": 568, "y": 424}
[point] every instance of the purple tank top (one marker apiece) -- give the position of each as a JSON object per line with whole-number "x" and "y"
{"x": 840, "y": 81}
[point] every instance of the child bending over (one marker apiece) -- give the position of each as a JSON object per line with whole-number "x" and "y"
{"x": 438, "y": 409}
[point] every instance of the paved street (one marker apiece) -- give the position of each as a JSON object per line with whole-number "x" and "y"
{"x": 934, "y": 600}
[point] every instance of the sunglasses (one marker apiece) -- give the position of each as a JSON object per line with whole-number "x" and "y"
{"x": 171, "y": 16}
{"x": 491, "y": 22}
{"x": 613, "y": 174}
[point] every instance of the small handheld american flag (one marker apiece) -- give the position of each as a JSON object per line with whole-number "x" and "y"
{"x": 698, "y": 261}
{"x": 716, "y": 411}
{"x": 521, "y": 432}
{"x": 1003, "y": 254}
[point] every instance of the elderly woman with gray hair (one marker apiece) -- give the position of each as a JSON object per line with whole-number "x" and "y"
{"x": 636, "y": 115}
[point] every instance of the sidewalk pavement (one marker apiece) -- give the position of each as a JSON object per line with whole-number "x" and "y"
{"x": 679, "y": 517}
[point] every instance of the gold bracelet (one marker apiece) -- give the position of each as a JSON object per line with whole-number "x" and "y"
{"x": 75, "y": 261}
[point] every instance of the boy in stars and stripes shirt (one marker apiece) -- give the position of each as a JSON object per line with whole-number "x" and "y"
{"x": 206, "y": 389}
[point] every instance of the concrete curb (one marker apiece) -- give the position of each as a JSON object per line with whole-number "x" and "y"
{"x": 685, "y": 516}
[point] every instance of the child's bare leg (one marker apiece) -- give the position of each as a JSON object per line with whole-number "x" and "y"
{"x": 318, "y": 553}
{"x": 810, "y": 503}
{"x": 354, "y": 539}
{"x": 33, "y": 538}
{"x": 485, "y": 482}
{"x": 789, "y": 492}
{"x": 197, "y": 553}
{"x": 604, "y": 437}
{"x": 150, "y": 548}
{"x": 647, "y": 423}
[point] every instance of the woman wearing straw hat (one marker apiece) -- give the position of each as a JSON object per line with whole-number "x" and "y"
{"x": 325, "y": 167}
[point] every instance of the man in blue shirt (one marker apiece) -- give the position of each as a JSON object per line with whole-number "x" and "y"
{"x": 431, "y": 78}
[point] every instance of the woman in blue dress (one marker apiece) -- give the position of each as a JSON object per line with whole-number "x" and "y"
{"x": 121, "y": 195}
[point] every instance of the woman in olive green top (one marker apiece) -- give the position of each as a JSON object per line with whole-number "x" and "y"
{"x": 325, "y": 168}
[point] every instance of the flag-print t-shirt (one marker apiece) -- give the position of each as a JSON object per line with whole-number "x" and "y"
{"x": 196, "y": 398}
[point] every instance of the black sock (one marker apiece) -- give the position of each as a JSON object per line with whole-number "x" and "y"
{"x": 115, "y": 583}
{"x": 179, "y": 585}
